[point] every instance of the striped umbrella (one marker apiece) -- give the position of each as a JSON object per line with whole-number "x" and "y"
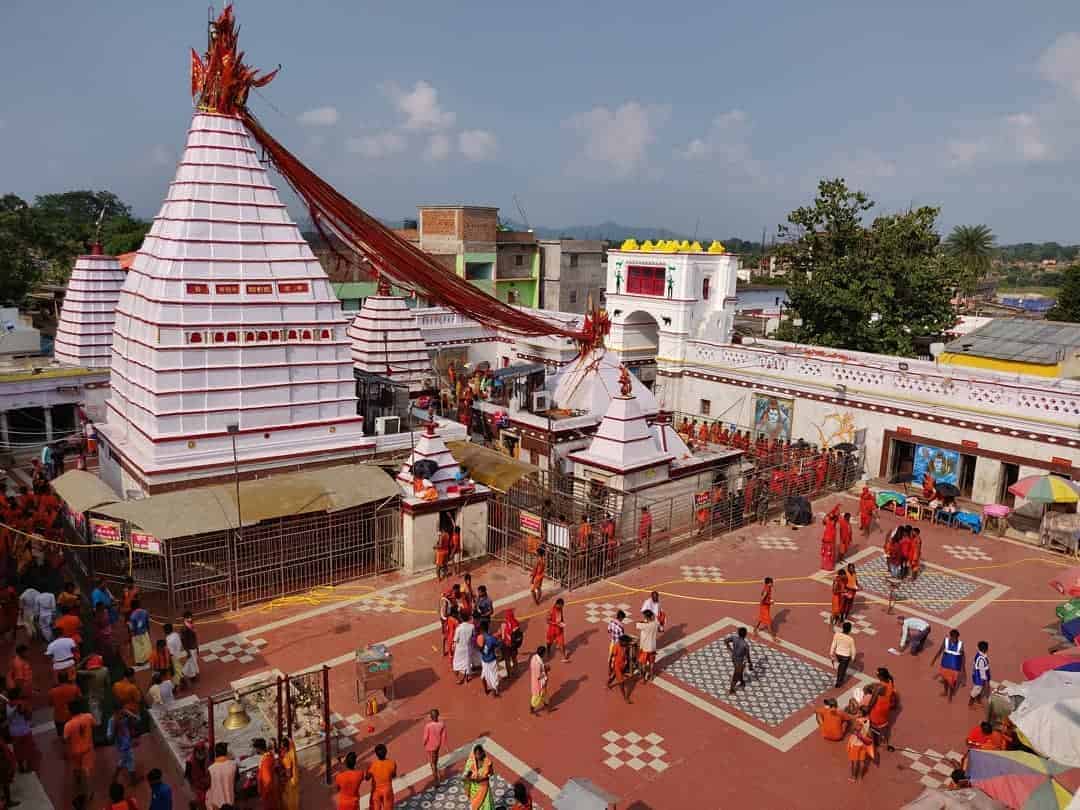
{"x": 1022, "y": 780}
{"x": 1046, "y": 489}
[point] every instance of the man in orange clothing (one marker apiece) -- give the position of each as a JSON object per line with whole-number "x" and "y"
{"x": 381, "y": 772}
{"x": 867, "y": 505}
{"x": 79, "y": 737}
{"x": 127, "y": 694}
{"x": 348, "y": 783}
{"x": 556, "y": 629}
{"x": 914, "y": 560}
{"x": 845, "y": 534}
{"x": 536, "y": 580}
{"x": 644, "y": 530}
{"x": 267, "y": 778}
{"x": 61, "y": 697}
{"x": 832, "y": 722}
{"x": 764, "y": 617}
{"x": 442, "y": 555}
{"x": 984, "y": 737}
{"x": 70, "y": 624}
{"x": 20, "y": 675}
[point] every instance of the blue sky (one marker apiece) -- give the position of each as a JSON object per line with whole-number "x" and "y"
{"x": 723, "y": 113}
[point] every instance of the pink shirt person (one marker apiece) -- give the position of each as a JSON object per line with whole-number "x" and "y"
{"x": 434, "y": 735}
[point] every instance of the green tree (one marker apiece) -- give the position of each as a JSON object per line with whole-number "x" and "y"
{"x": 863, "y": 288}
{"x": 1067, "y": 307}
{"x": 972, "y": 246}
{"x": 20, "y": 262}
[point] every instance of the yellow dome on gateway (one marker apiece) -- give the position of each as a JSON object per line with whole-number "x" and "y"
{"x": 630, "y": 244}
{"x": 717, "y": 247}
{"x": 685, "y": 246}
{"x": 695, "y": 247}
{"x": 647, "y": 246}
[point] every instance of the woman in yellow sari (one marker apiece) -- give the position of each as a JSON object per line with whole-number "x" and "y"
{"x": 290, "y": 793}
{"x": 477, "y": 777}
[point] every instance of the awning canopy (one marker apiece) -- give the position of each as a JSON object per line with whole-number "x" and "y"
{"x": 204, "y": 510}
{"x": 490, "y": 467}
{"x": 81, "y": 490}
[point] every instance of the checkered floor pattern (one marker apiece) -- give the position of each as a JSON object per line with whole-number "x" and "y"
{"x": 701, "y": 573}
{"x": 634, "y": 751}
{"x": 243, "y": 650}
{"x": 451, "y": 795}
{"x": 779, "y": 685}
{"x": 967, "y": 553}
{"x": 859, "y": 623}
{"x": 931, "y": 766}
{"x": 777, "y": 544}
{"x": 380, "y": 604}
{"x": 596, "y": 613}
{"x": 348, "y": 726}
{"x": 933, "y": 591}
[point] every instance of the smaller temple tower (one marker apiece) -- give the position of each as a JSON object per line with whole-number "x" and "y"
{"x": 625, "y": 448}
{"x": 84, "y": 335}
{"x": 386, "y": 340}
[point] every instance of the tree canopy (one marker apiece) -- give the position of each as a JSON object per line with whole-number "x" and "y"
{"x": 972, "y": 246}
{"x": 873, "y": 288}
{"x": 1067, "y": 307}
{"x": 40, "y": 241}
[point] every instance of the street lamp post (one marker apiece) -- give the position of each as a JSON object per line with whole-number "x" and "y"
{"x": 233, "y": 429}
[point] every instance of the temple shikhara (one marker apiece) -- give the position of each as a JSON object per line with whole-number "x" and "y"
{"x": 84, "y": 335}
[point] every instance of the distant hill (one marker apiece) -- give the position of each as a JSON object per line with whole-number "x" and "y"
{"x": 614, "y": 232}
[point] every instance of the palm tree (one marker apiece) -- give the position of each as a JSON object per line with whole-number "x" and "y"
{"x": 972, "y": 247}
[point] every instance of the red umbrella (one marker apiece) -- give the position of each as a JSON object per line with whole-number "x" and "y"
{"x": 1067, "y": 582}
{"x": 1064, "y": 659}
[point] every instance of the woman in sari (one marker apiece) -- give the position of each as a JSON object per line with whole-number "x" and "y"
{"x": 290, "y": 794}
{"x": 477, "y": 776}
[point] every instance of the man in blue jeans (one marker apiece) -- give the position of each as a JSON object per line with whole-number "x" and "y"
{"x": 913, "y": 631}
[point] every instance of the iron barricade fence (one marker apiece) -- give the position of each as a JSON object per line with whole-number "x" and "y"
{"x": 604, "y": 545}
{"x": 227, "y": 570}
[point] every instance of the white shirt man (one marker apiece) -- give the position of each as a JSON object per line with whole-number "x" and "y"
{"x": 653, "y": 604}
{"x": 62, "y": 652}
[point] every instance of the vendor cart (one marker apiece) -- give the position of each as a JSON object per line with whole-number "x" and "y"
{"x": 374, "y": 673}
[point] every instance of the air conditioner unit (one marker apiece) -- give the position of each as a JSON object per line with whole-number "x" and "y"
{"x": 385, "y": 425}
{"x": 541, "y": 401}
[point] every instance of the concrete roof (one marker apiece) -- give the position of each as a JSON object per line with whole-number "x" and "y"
{"x": 1020, "y": 340}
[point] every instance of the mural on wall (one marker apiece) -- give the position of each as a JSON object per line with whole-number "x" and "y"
{"x": 943, "y": 464}
{"x": 836, "y": 428}
{"x": 773, "y": 416}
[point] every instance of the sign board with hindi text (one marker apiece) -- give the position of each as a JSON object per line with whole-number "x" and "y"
{"x": 145, "y": 543}
{"x": 104, "y": 531}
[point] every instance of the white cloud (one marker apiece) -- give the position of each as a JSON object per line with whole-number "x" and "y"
{"x": 964, "y": 153}
{"x": 619, "y": 138}
{"x": 1027, "y": 137}
{"x": 420, "y": 106}
{"x": 379, "y": 145}
{"x": 727, "y": 139}
{"x": 1060, "y": 63}
{"x": 438, "y": 147}
{"x": 161, "y": 155}
{"x": 477, "y": 144}
{"x": 319, "y": 117}
{"x": 862, "y": 166}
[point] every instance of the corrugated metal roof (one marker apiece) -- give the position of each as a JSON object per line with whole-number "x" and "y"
{"x": 490, "y": 467}
{"x": 1020, "y": 340}
{"x": 81, "y": 490}
{"x": 204, "y": 510}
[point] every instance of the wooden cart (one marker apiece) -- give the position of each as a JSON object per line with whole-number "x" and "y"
{"x": 374, "y": 673}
